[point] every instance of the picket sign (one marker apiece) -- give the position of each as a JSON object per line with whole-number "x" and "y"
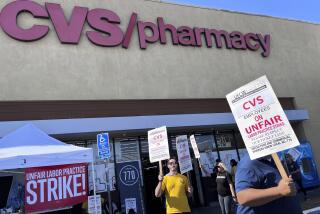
{"x": 263, "y": 125}
{"x": 183, "y": 152}
{"x": 158, "y": 146}
{"x": 195, "y": 148}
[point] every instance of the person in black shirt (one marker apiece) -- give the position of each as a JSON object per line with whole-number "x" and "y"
{"x": 225, "y": 189}
{"x": 295, "y": 173}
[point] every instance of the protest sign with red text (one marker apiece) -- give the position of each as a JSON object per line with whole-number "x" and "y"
{"x": 55, "y": 187}
{"x": 262, "y": 122}
{"x": 158, "y": 144}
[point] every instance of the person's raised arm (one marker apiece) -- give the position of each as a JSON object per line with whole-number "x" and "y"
{"x": 206, "y": 172}
{"x": 257, "y": 197}
{"x": 158, "y": 191}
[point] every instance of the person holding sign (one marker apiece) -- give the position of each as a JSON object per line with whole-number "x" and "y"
{"x": 260, "y": 189}
{"x": 176, "y": 189}
{"x": 265, "y": 130}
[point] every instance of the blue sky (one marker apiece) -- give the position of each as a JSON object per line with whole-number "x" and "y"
{"x": 305, "y": 10}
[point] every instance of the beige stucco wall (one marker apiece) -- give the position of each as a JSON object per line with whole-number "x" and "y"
{"x": 48, "y": 70}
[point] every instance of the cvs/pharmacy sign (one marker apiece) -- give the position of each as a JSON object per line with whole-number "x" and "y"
{"x": 54, "y": 187}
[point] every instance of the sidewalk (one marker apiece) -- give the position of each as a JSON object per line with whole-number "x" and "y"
{"x": 313, "y": 199}
{"x": 312, "y": 202}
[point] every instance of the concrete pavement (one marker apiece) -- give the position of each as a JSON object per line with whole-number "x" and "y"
{"x": 313, "y": 201}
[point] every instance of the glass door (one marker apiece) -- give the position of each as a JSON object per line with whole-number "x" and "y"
{"x": 208, "y": 156}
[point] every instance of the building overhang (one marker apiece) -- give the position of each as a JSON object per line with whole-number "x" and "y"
{"x": 116, "y": 124}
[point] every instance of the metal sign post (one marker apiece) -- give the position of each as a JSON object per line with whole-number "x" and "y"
{"x": 105, "y": 154}
{"x": 94, "y": 188}
{"x": 108, "y": 185}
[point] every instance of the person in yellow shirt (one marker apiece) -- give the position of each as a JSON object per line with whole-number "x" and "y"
{"x": 176, "y": 189}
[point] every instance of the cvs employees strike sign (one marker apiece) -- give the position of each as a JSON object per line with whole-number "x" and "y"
{"x": 54, "y": 187}
{"x": 158, "y": 144}
{"x": 183, "y": 152}
{"x": 262, "y": 122}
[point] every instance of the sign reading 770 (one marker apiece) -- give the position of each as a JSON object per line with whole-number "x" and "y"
{"x": 129, "y": 175}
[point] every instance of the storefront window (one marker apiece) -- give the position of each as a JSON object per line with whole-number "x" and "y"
{"x": 227, "y": 147}
{"x": 208, "y": 156}
{"x": 225, "y": 141}
{"x": 205, "y": 142}
{"x": 239, "y": 140}
{"x": 127, "y": 150}
{"x": 101, "y": 167}
{"x": 173, "y": 143}
{"x": 144, "y": 146}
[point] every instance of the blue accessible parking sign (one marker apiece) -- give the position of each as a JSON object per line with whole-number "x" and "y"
{"x": 103, "y": 146}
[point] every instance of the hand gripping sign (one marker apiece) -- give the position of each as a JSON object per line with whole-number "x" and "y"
{"x": 158, "y": 145}
{"x": 262, "y": 122}
{"x": 54, "y": 187}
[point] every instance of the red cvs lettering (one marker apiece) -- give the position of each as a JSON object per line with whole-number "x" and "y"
{"x": 253, "y": 103}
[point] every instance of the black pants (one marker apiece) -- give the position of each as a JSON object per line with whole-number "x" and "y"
{"x": 302, "y": 189}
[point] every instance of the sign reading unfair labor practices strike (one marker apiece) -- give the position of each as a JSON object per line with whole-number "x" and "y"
{"x": 194, "y": 146}
{"x": 54, "y": 187}
{"x": 262, "y": 122}
{"x": 158, "y": 144}
{"x": 183, "y": 154}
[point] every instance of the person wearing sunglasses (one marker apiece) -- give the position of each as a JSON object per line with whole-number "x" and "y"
{"x": 176, "y": 189}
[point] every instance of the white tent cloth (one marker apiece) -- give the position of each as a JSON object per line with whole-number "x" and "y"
{"x": 29, "y": 146}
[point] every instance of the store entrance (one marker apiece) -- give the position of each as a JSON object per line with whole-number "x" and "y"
{"x": 154, "y": 205}
{"x": 5, "y": 185}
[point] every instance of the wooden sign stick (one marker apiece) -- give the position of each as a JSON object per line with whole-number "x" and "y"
{"x": 199, "y": 163}
{"x": 160, "y": 168}
{"x": 188, "y": 176}
{"x": 279, "y": 165}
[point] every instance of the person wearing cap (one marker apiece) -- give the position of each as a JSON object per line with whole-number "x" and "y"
{"x": 225, "y": 188}
{"x": 176, "y": 189}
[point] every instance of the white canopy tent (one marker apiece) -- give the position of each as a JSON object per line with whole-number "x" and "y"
{"x": 30, "y": 147}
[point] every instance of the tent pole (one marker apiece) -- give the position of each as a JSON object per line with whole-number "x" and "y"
{"x": 94, "y": 187}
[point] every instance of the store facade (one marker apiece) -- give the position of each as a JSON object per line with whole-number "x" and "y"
{"x": 75, "y": 69}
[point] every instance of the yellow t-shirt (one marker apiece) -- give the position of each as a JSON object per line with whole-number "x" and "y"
{"x": 175, "y": 188}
